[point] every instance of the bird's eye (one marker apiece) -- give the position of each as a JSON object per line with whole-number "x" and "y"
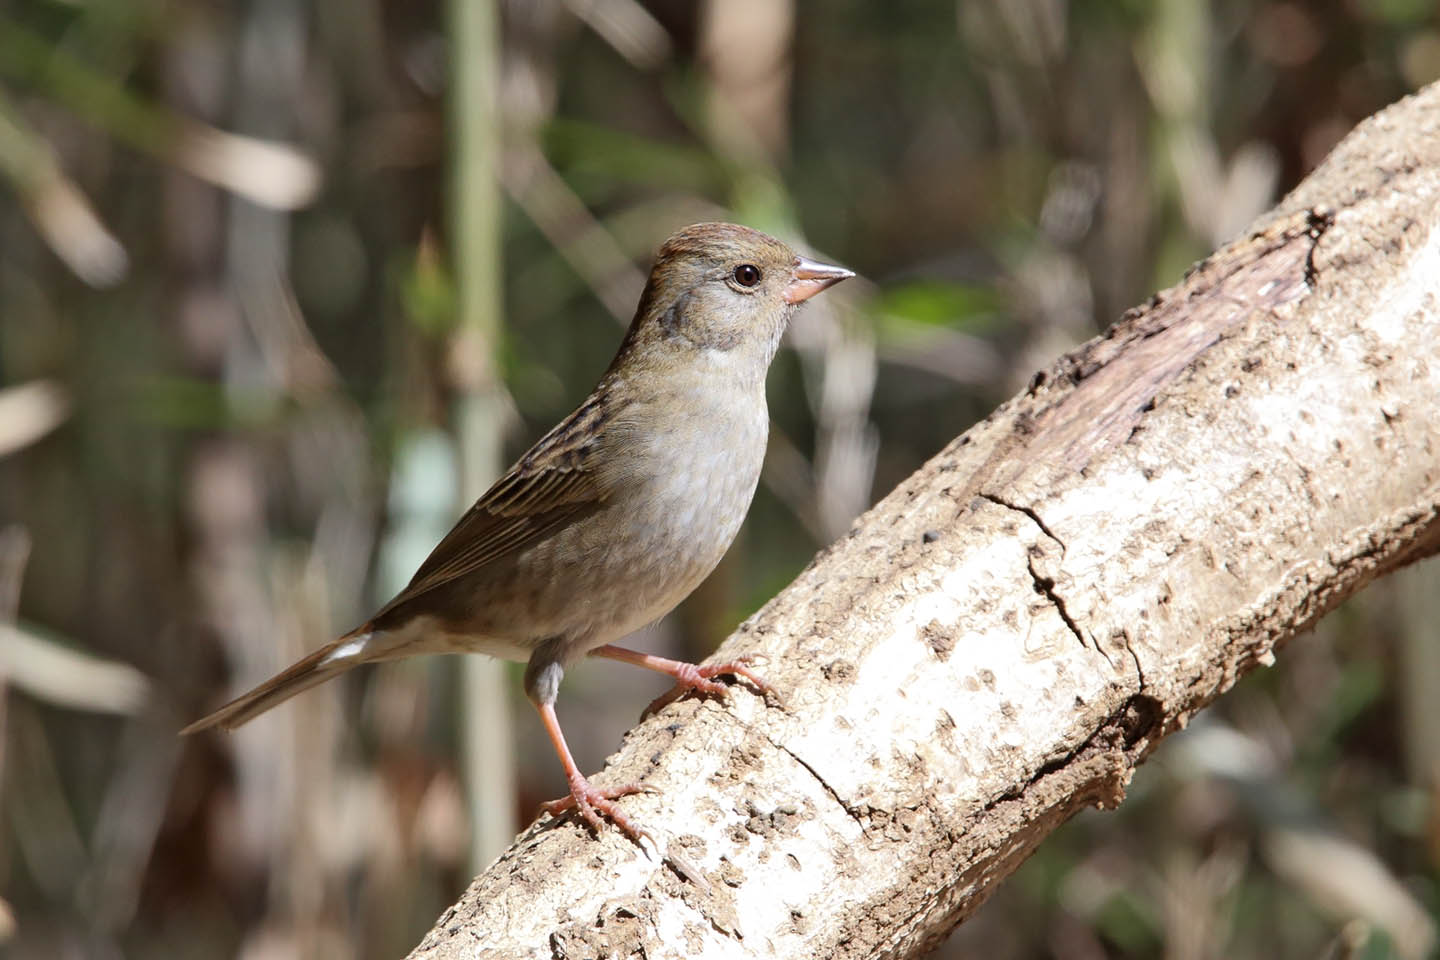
{"x": 747, "y": 274}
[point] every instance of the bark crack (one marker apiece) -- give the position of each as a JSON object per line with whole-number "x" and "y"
{"x": 1045, "y": 585}
{"x": 1029, "y": 512}
{"x": 1139, "y": 670}
{"x": 1319, "y": 220}
{"x": 854, "y": 813}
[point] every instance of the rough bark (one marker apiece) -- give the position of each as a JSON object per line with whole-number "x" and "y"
{"x": 1002, "y": 639}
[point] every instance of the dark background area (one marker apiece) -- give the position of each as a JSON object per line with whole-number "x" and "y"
{"x": 251, "y": 369}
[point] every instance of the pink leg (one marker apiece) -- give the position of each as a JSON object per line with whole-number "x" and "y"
{"x": 590, "y": 802}
{"x": 688, "y": 676}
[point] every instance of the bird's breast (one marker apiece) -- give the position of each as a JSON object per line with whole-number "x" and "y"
{"x": 698, "y": 474}
{"x": 689, "y": 483}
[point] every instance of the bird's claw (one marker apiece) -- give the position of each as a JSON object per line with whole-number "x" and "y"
{"x": 594, "y": 803}
{"x": 699, "y": 677}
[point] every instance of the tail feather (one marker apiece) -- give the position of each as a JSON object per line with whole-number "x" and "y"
{"x": 329, "y": 661}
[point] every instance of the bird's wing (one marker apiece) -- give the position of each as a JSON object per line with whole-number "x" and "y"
{"x": 550, "y": 485}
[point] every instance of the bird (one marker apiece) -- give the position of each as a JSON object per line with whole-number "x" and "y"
{"x": 617, "y": 513}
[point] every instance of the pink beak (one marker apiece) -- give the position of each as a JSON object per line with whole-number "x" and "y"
{"x": 810, "y": 277}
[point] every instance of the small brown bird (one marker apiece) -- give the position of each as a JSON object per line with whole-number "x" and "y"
{"x": 616, "y": 514}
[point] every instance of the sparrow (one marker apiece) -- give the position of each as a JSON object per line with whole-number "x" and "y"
{"x": 614, "y": 516}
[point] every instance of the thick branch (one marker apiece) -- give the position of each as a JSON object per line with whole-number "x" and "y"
{"x": 999, "y": 642}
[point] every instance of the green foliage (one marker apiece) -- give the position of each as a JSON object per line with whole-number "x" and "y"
{"x": 427, "y": 294}
{"x": 970, "y": 309}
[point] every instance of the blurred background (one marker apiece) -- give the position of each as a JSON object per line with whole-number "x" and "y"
{"x": 285, "y": 283}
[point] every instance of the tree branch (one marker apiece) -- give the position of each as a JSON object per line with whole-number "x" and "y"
{"x": 999, "y": 642}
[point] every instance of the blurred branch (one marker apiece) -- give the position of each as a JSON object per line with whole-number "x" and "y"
{"x": 44, "y": 668}
{"x": 42, "y": 819}
{"x": 1418, "y": 606}
{"x": 68, "y": 677}
{"x": 1350, "y": 881}
{"x": 487, "y": 729}
{"x": 747, "y": 47}
{"x": 953, "y": 356}
{"x": 838, "y": 359}
{"x": 56, "y": 206}
{"x": 788, "y": 475}
{"x": 628, "y": 27}
{"x": 1338, "y": 874}
{"x": 270, "y": 174}
{"x": 582, "y": 240}
{"x": 28, "y": 411}
{"x": 1217, "y": 203}
{"x": 15, "y": 546}
{"x": 14, "y": 554}
{"x": 1001, "y": 641}
{"x": 127, "y": 823}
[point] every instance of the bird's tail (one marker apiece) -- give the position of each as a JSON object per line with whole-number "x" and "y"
{"x": 331, "y": 660}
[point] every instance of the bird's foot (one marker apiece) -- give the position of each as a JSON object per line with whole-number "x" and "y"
{"x": 699, "y": 677}
{"x": 594, "y": 803}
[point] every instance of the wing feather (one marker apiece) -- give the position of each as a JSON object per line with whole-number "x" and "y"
{"x": 550, "y": 485}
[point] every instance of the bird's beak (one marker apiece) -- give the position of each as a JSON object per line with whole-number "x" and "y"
{"x": 809, "y": 277}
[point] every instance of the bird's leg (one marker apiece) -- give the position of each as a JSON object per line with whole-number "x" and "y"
{"x": 589, "y": 801}
{"x": 542, "y": 684}
{"x": 688, "y": 676}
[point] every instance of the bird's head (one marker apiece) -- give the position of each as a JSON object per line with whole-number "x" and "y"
{"x": 724, "y": 288}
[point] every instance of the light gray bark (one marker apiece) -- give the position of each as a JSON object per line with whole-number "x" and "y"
{"x": 1000, "y": 641}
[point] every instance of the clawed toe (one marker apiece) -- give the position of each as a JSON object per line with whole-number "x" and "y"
{"x": 699, "y": 678}
{"x": 595, "y": 805}
{"x": 689, "y": 676}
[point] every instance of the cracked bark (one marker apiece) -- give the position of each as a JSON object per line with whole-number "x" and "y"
{"x": 1186, "y": 493}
